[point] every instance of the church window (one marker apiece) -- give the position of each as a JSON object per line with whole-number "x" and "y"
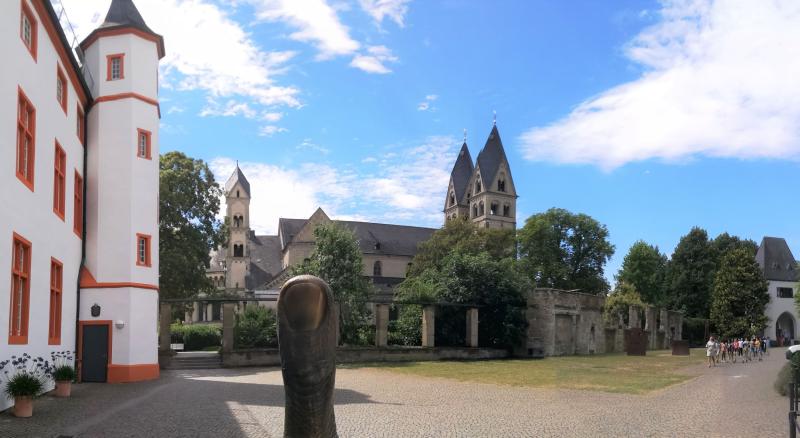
{"x": 27, "y": 29}
{"x": 77, "y": 212}
{"x": 377, "y": 246}
{"x": 238, "y": 250}
{"x": 20, "y": 290}
{"x": 143, "y": 250}
{"x": 785, "y": 292}
{"x": 481, "y": 210}
{"x": 56, "y": 280}
{"x": 143, "y": 144}
{"x": 237, "y": 193}
{"x": 474, "y": 210}
{"x": 60, "y": 182}
{"x": 501, "y": 183}
{"x": 115, "y": 67}
{"x": 377, "y": 269}
{"x": 61, "y": 89}
{"x": 506, "y": 210}
{"x": 477, "y": 186}
{"x": 452, "y": 199}
{"x": 494, "y": 208}
{"x": 26, "y": 127}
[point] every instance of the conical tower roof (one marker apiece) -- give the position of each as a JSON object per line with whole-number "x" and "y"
{"x": 491, "y": 155}
{"x": 237, "y": 177}
{"x": 123, "y": 14}
{"x": 462, "y": 171}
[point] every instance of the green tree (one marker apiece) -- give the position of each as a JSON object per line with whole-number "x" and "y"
{"x": 256, "y": 327}
{"x": 188, "y": 228}
{"x": 619, "y": 301}
{"x": 725, "y": 243}
{"x": 739, "y": 296}
{"x": 337, "y": 260}
{"x": 644, "y": 268}
{"x": 564, "y": 250}
{"x": 463, "y": 237}
{"x": 690, "y": 274}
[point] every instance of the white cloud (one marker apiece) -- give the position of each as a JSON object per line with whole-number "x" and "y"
{"x": 308, "y": 145}
{"x": 229, "y": 109}
{"x": 408, "y": 187}
{"x": 425, "y": 105}
{"x": 380, "y": 9}
{"x": 720, "y": 80}
{"x": 374, "y": 60}
{"x": 269, "y": 130}
{"x": 271, "y": 117}
{"x": 205, "y": 50}
{"x": 316, "y": 23}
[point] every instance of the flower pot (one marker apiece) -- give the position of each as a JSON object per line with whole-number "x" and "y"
{"x": 63, "y": 388}
{"x": 23, "y": 406}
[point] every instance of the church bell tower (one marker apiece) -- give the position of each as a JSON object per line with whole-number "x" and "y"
{"x": 237, "y": 259}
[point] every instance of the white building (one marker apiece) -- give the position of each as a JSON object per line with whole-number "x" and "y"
{"x": 781, "y": 271}
{"x": 79, "y": 223}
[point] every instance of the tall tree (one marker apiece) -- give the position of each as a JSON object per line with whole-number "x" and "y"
{"x": 337, "y": 260}
{"x": 725, "y": 242}
{"x": 690, "y": 274}
{"x": 461, "y": 236}
{"x": 740, "y": 295}
{"x": 644, "y": 268}
{"x": 564, "y": 250}
{"x": 189, "y": 200}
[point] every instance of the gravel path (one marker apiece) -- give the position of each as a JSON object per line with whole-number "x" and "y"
{"x": 735, "y": 400}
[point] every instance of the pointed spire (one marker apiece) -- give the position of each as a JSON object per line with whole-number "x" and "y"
{"x": 124, "y": 14}
{"x": 492, "y": 154}
{"x": 462, "y": 171}
{"x": 237, "y": 177}
{"x": 494, "y": 119}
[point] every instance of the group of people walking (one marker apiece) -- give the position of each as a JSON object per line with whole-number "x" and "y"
{"x": 733, "y": 350}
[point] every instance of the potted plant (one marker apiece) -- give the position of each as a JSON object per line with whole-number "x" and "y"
{"x": 62, "y": 372}
{"x": 25, "y": 382}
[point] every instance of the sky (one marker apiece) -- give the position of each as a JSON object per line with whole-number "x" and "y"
{"x": 650, "y": 116}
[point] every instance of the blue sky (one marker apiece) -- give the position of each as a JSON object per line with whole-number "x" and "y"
{"x": 652, "y": 117}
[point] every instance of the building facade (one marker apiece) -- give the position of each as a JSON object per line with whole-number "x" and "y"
{"x": 81, "y": 243}
{"x": 781, "y": 272}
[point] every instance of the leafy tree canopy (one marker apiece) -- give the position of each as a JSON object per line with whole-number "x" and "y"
{"x": 619, "y": 301}
{"x": 337, "y": 260}
{"x": 189, "y": 200}
{"x": 690, "y": 274}
{"x": 739, "y": 296}
{"x": 564, "y": 250}
{"x": 644, "y": 268}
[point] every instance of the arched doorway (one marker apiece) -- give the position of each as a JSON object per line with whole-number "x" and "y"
{"x": 784, "y": 328}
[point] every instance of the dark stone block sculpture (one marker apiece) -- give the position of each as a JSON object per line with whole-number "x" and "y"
{"x": 307, "y": 342}
{"x": 635, "y": 342}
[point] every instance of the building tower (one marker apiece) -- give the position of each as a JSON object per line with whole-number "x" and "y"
{"x": 119, "y": 280}
{"x": 491, "y": 195}
{"x": 237, "y": 258}
{"x": 457, "y": 202}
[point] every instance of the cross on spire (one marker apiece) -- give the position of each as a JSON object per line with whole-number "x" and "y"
{"x": 465, "y": 135}
{"x": 494, "y": 120}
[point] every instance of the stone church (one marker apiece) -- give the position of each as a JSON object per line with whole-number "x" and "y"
{"x": 483, "y": 191}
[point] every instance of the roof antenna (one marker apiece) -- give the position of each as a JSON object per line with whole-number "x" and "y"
{"x": 494, "y": 122}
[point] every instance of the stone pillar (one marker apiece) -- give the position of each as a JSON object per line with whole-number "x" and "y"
{"x": 381, "y": 325}
{"x": 165, "y": 318}
{"x": 228, "y": 323}
{"x": 195, "y": 311}
{"x": 650, "y": 326}
{"x": 472, "y": 328}
{"x": 679, "y": 326}
{"x": 574, "y": 347}
{"x": 665, "y": 328}
{"x": 633, "y": 317}
{"x": 428, "y": 325}
{"x": 209, "y": 312}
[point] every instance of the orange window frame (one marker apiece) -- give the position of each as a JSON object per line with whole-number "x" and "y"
{"x": 62, "y": 78}
{"x": 143, "y": 253}
{"x": 27, "y": 13}
{"x": 81, "y": 128}
{"x": 78, "y": 205}
{"x": 20, "y": 290}
{"x": 147, "y": 135}
{"x": 109, "y": 61}
{"x": 56, "y": 289}
{"x": 26, "y": 139}
{"x": 59, "y": 181}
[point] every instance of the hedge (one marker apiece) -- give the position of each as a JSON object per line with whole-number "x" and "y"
{"x": 196, "y": 337}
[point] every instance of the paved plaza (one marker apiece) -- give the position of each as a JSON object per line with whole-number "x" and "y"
{"x": 728, "y": 401}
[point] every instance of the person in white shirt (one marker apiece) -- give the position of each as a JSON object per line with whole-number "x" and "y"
{"x": 710, "y": 351}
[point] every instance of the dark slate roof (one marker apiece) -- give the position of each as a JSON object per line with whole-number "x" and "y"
{"x": 491, "y": 155}
{"x": 237, "y": 176}
{"x": 265, "y": 260}
{"x": 776, "y": 259}
{"x": 462, "y": 171}
{"x": 124, "y": 13}
{"x": 373, "y": 238}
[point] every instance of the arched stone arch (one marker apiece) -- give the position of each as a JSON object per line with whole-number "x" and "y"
{"x": 785, "y": 327}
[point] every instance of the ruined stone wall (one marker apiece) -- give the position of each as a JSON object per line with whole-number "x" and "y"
{"x": 567, "y": 323}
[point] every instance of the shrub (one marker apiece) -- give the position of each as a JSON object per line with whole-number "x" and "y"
{"x": 256, "y": 327}
{"x": 783, "y": 379}
{"x": 196, "y": 337}
{"x": 27, "y": 378}
{"x": 62, "y": 369}
{"x": 407, "y": 328}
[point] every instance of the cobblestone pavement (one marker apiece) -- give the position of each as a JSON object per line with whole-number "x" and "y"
{"x": 728, "y": 401}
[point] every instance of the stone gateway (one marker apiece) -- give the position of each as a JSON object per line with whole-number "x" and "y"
{"x": 307, "y": 342}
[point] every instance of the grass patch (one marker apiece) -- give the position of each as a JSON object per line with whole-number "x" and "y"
{"x": 616, "y": 373}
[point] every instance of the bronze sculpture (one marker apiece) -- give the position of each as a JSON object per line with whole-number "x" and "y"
{"x": 307, "y": 341}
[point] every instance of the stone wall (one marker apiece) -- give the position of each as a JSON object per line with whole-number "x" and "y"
{"x": 566, "y": 323}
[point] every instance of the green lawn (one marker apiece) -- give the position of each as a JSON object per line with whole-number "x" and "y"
{"x": 608, "y": 372}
